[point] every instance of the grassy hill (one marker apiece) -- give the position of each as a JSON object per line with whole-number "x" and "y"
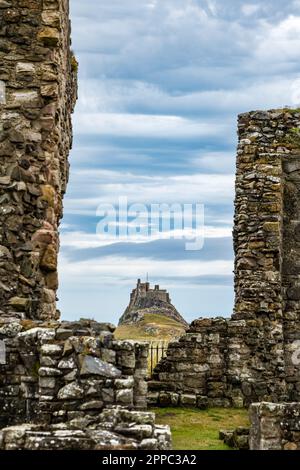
{"x": 150, "y": 328}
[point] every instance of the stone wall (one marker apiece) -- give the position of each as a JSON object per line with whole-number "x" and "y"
{"x": 291, "y": 270}
{"x": 266, "y": 248}
{"x": 210, "y": 366}
{"x": 70, "y": 385}
{"x": 113, "y": 429}
{"x": 38, "y": 82}
{"x": 252, "y": 356}
{"x": 194, "y": 369}
{"x": 63, "y": 385}
{"x": 275, "y": 426}
{"x": 65, "y": 371}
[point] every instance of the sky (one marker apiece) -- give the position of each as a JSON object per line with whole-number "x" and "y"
{"x": 161, "y": 83}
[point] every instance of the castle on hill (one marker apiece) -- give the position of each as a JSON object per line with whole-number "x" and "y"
{"x": 147, "y": 300}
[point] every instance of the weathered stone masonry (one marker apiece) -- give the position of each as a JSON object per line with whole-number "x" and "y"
{"x": 38, "y": 72}
{"x": 267, "y": 251}
{"x": 63, "y": 385}
{"x": 251, "y": 356}
{"x": 72, "y": 386}
{"x": 275, "y": 426}
{"x": 55, "y": 373}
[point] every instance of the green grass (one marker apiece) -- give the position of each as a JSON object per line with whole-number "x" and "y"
{"x": 194, "y": 429}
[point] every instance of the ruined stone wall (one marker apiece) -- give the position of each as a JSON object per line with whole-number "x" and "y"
{"x": 209, "y": 366}
{"x": 266, "y": 241}
{"x": 275, "y": 426}
{"x": 263, "y": 238}
{"x": 68, "y": 371}
{"x": 194, "y": 370}
{"x": 254, "y": 355}
{"x": 63, "y": 385}
{"x": 70, "y": 385}
{"x": 112, "y": 429}
{"x": 291, "y": 268}
{"x": 38, "y": 82}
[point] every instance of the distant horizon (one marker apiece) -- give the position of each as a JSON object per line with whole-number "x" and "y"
{"x": 115, "y": 318}
{"x": 160, "y": 86}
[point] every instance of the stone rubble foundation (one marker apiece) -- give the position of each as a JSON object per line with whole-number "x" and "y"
{"x": 113, "y": 429}
{"x": 60, "y": 377}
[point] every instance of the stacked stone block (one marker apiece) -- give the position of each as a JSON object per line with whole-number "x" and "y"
{"x": 212, "y": 365}
{"x": 291, "y": 264}
{"x": 254, "y": 355}
{"x": 194, "y": 370}
{"x": 63, "y": 376}
{"x": 113, "y": 429}
{"x": 275, "y": 426}
{"x": 38, "y": 83}
{"x": 68, "y": 371}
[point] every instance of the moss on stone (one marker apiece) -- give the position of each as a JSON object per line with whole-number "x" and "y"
{"x": 74, "y": 63}
{"x": 292, "y": 138}
{"x": 35, "y": 369}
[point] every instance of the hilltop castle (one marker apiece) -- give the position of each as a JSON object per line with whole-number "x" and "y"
{"x": 143, "y": 300}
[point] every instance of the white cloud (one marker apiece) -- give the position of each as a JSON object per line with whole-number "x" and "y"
{"x": 221, "y": 162}
{"x": 81, "y": 240}
{"x": 250, "y": 8}
{"x": 212, "y": 7}
{"x": 101, "y": 96}
{"x": 100, "y": 187}
{"x": 121, "y": 269}
{"x": 143, "y": 125}
{"x": 168, "y": 74}
{"x": 280, "y": 43}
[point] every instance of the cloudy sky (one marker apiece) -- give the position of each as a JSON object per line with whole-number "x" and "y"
{"x": 160, "y": 85}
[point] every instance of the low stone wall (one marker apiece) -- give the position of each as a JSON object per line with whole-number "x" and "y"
{"x": 275, "y": 426}
{"x": 193, "y": 372}
{"x": 213, "y": 364}
{"x": 71, "y": 385}
{"x": 65, "y": 371}
{"x": 113, "y": 429}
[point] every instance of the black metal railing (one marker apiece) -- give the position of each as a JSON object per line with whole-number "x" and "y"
{"x": 157, "y": 350}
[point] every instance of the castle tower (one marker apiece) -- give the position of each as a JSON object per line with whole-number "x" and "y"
{"x": 144, "y": 299}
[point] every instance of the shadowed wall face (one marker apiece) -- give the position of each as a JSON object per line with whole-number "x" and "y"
{"x": 291, "y": 266}
{"x": 266, "y": 239}
{"x": 37, "y": 97}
